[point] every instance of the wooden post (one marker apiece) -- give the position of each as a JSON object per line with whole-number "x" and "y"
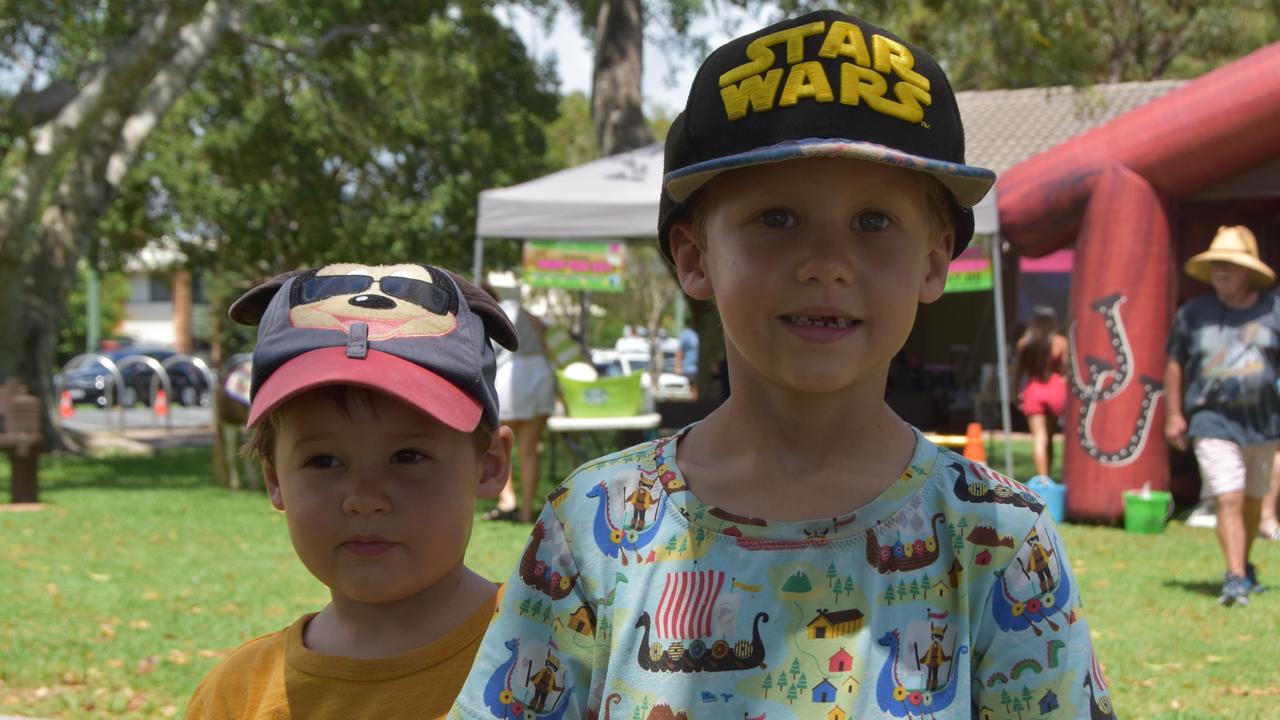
{"x": 182, "y": 310}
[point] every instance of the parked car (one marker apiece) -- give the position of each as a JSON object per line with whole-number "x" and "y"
{"x": 87, "y": 383}
{"x": 611, "y": 363}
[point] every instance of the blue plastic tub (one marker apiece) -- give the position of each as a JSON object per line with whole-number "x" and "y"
{"x": 1054, "y": 495}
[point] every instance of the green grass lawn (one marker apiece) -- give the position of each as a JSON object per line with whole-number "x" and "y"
{"x": 138, "y": 575}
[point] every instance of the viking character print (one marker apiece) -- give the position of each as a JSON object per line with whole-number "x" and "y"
{"x": 1038, "y": 561}
{"x": 935, "y": 656}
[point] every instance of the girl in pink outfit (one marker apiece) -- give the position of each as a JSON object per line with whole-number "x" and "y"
{"x": 1040, "y": 355}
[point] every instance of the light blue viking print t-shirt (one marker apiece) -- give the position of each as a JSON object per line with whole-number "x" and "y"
{"x": 949, "y": 596}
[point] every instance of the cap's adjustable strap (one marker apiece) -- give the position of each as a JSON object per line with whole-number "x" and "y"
{"x": 358, "y": 341}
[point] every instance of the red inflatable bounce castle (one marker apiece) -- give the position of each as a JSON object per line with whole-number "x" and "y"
{"x": 1137, "y": 197}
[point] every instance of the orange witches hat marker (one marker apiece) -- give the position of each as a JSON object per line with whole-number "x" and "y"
{"x": 65, "y": 408}
{"x": 162, "y": 403}
{"x": 973, "y": 448}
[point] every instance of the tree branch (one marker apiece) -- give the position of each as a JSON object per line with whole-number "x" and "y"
{"x": 331, "y": 37}
{"x": 124, "y": 73}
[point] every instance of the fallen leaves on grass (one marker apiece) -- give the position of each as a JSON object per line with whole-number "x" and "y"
{"x": 1253, "y": 692}
{"x": 150, "y": 594}
{"x": 140, "y": 624}
{"x": 100, "y": 577}
{"x": 147, "y": 665}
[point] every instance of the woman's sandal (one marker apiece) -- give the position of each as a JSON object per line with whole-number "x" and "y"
{"x": 511, "y": 515}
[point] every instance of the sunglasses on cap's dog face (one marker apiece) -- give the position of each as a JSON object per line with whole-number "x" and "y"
{"x": 434, "y": 297}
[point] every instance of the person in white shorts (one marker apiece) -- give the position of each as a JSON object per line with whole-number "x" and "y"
{"x": 526, "y": 385}
{"x": 1222, "y": 394}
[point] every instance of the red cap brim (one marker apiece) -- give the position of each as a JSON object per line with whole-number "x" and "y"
{"x": 380, "y": 371}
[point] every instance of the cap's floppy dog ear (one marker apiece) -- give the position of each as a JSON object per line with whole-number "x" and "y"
{"x": 496, "y": 323}
{"x": 251, "y": 306}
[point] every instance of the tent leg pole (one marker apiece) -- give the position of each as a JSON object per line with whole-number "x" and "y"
{"x": 477, "y": 260}
{"x": 1002, "y": 361}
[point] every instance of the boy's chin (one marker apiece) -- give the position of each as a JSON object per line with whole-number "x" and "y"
{"x": 827, "y": 381}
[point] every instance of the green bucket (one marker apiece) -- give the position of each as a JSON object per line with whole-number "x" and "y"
{"x": 1147, "y": 515}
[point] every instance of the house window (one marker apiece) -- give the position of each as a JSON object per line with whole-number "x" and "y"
{"x": 161, "y": 289}
{"x": 819, "y": 632}
{"x": 199, "y": 294}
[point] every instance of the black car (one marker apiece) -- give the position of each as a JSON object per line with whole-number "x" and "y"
{"x": 87, "y": 383}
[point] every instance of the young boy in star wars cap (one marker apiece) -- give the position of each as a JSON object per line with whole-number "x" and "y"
{"x": 804, "y": 552}
{"x": 376, "y": 421}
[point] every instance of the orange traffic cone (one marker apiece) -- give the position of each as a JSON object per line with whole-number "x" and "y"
{"x": 65, "y": 408}
{"x": 974, "y": 449}
{"x": 162, "y": 403}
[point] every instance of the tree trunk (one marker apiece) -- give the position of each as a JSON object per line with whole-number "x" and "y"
{"x": 101, "y": 152}
{"x": 617, "y": 110}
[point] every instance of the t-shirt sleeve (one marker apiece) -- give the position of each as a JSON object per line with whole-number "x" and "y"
{"x": 1179, "y": 336}
{"x": 539, "y": 650}
{"x": 1032, "y": 651}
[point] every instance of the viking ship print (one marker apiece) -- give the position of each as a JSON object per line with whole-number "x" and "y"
{"x": 1000, "y": 490}
{"x": 1035, "y": 605}
{"x": 613, "y": 540}
{"x": 539, "y": 575}
{"x": 500, "y": 697}
{"x": 1099, "y": 707}
{"x": 895, "y": 698}
{"x": 689, "y": 612}
{"x": 899, "y": 555}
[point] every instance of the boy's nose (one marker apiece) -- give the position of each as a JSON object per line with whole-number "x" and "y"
{"x": 825, "y": 261}
{"x": 367, "y": 496}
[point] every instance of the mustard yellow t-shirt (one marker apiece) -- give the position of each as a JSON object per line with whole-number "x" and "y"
{"x": 275, "y": 676}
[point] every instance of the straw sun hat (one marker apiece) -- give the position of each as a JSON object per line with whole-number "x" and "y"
{"x": 1235, "y": 245}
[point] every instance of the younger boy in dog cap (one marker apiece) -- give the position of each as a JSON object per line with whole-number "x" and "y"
{"x": 806, "y": 553}
{"x": 376, "y": 421}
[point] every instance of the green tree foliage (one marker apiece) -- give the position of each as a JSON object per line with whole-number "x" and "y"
{"x": 261, "y": 136}
{"x": 988, "y": 44}
{"x": 375, "y": 154}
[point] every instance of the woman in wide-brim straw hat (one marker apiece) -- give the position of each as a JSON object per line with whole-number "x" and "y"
{"x": 1236, "y": 245}
{"x": 1222, "y": 392}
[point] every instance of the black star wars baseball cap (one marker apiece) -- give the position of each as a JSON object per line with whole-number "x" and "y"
{"x": 825, "y": 84}
{"x": 415, "y": 332}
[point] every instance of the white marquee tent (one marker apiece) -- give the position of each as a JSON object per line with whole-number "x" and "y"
{"x": 610, "y": 198}
{"x": 617, "y": 198}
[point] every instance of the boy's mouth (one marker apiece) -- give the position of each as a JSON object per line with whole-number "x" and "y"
{"x": 823, "y": 321}
{"x": 367, "y": 545}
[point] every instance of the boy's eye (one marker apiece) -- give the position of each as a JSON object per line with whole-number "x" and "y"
{"x": 777, "y": 218}
{"x": 408, "y": 456}
{"x": 871, "y": 221}
{"x": 322, "y": 462}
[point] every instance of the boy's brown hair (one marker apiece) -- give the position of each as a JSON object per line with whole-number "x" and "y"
{"x": 261, "y": 443}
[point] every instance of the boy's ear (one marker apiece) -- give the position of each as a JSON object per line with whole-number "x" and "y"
{"x": 495, "y": 463}
{"x": 938, "y": 262}
{"x": 272, "y": 481}
{"x": 689, "y": 259}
